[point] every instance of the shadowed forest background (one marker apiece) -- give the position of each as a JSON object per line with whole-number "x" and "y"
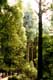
{"x": 26, "y": 40}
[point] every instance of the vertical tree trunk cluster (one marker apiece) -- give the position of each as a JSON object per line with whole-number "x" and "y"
{"x": 31, "y": 51}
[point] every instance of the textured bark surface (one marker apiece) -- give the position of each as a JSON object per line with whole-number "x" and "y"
{"x": 40, "y": 44}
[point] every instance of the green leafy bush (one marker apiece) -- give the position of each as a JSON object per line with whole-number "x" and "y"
{"x": 48, "y": 58}
{"x": 23, "y": 76}
{"x": 30, "y": 70}
{"x": 13, "y": 78}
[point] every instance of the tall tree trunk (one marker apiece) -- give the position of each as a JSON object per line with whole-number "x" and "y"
{"x": 40, "y": 44}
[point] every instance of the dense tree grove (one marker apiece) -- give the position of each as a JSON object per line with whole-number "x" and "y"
{"x": 30, "y": 23}
{"x": 26, "y": 45}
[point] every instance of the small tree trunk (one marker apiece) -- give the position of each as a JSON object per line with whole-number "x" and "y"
{"x": 32, "y": 51}
{"x": 27, "y": 54}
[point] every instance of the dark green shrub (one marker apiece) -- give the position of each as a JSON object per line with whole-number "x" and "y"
{"x": 13, "y": 78}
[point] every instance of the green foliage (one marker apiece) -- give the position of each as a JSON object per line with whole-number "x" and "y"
{"x": 48, "y": 57}
{"x": 13, "y": 39}
{"x": 30, "y": 70}
{"x": 19, "y": 77}
{"x": 30, "y": 23}
{"x": 13, "y": 78}
{"x": 2, "y": 2}
{"x": 51, "y": 6}
{"x": 23, "y": 77}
